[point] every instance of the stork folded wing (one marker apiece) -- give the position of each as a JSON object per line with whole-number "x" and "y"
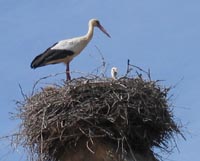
{"x": 51, "y": 56}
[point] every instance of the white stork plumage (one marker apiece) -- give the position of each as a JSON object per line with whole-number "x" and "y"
{"x": 114, "y": 72}
{"x": 65, "y": 50}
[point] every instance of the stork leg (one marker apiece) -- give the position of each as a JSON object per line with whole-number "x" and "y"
{"x": 68, "y": 72}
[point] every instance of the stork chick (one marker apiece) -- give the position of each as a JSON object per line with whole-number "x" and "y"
{"x": 65, "y": 50}
{"x": 114, "y": 72}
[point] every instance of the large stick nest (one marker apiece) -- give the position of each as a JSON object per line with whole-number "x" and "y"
{"x": 132, "y": 113}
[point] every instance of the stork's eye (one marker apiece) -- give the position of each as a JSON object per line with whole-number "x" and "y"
{"x": 97, "y": 22}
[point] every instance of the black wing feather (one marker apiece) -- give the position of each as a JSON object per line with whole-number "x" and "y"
{"x": 50, "y": 55}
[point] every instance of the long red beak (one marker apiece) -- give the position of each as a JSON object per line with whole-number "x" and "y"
{"x": 103, "y": 30}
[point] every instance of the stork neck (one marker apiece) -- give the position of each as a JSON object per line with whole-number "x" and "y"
{"x": 90, "y": 32}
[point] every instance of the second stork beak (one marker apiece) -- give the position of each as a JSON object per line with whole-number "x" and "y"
{"x": 103, "y": 30}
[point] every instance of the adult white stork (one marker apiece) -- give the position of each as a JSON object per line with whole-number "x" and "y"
{"x": 65, "y": 50}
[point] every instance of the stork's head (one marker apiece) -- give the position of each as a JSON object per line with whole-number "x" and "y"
{"x": 96, "y": 23}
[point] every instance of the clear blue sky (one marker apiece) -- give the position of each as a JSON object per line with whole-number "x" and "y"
{"x": 161, "y": 35}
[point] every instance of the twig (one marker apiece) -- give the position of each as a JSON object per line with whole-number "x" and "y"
{"x": 103, "y": 61}
{"x": 22, "y": 92}
{"x": 87, "y": 145}
{"x": 131, "y": 65}
{"x": 36, "y": 83}
{"x": 128, "y": 70}
{"x": 131, "y": 151}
